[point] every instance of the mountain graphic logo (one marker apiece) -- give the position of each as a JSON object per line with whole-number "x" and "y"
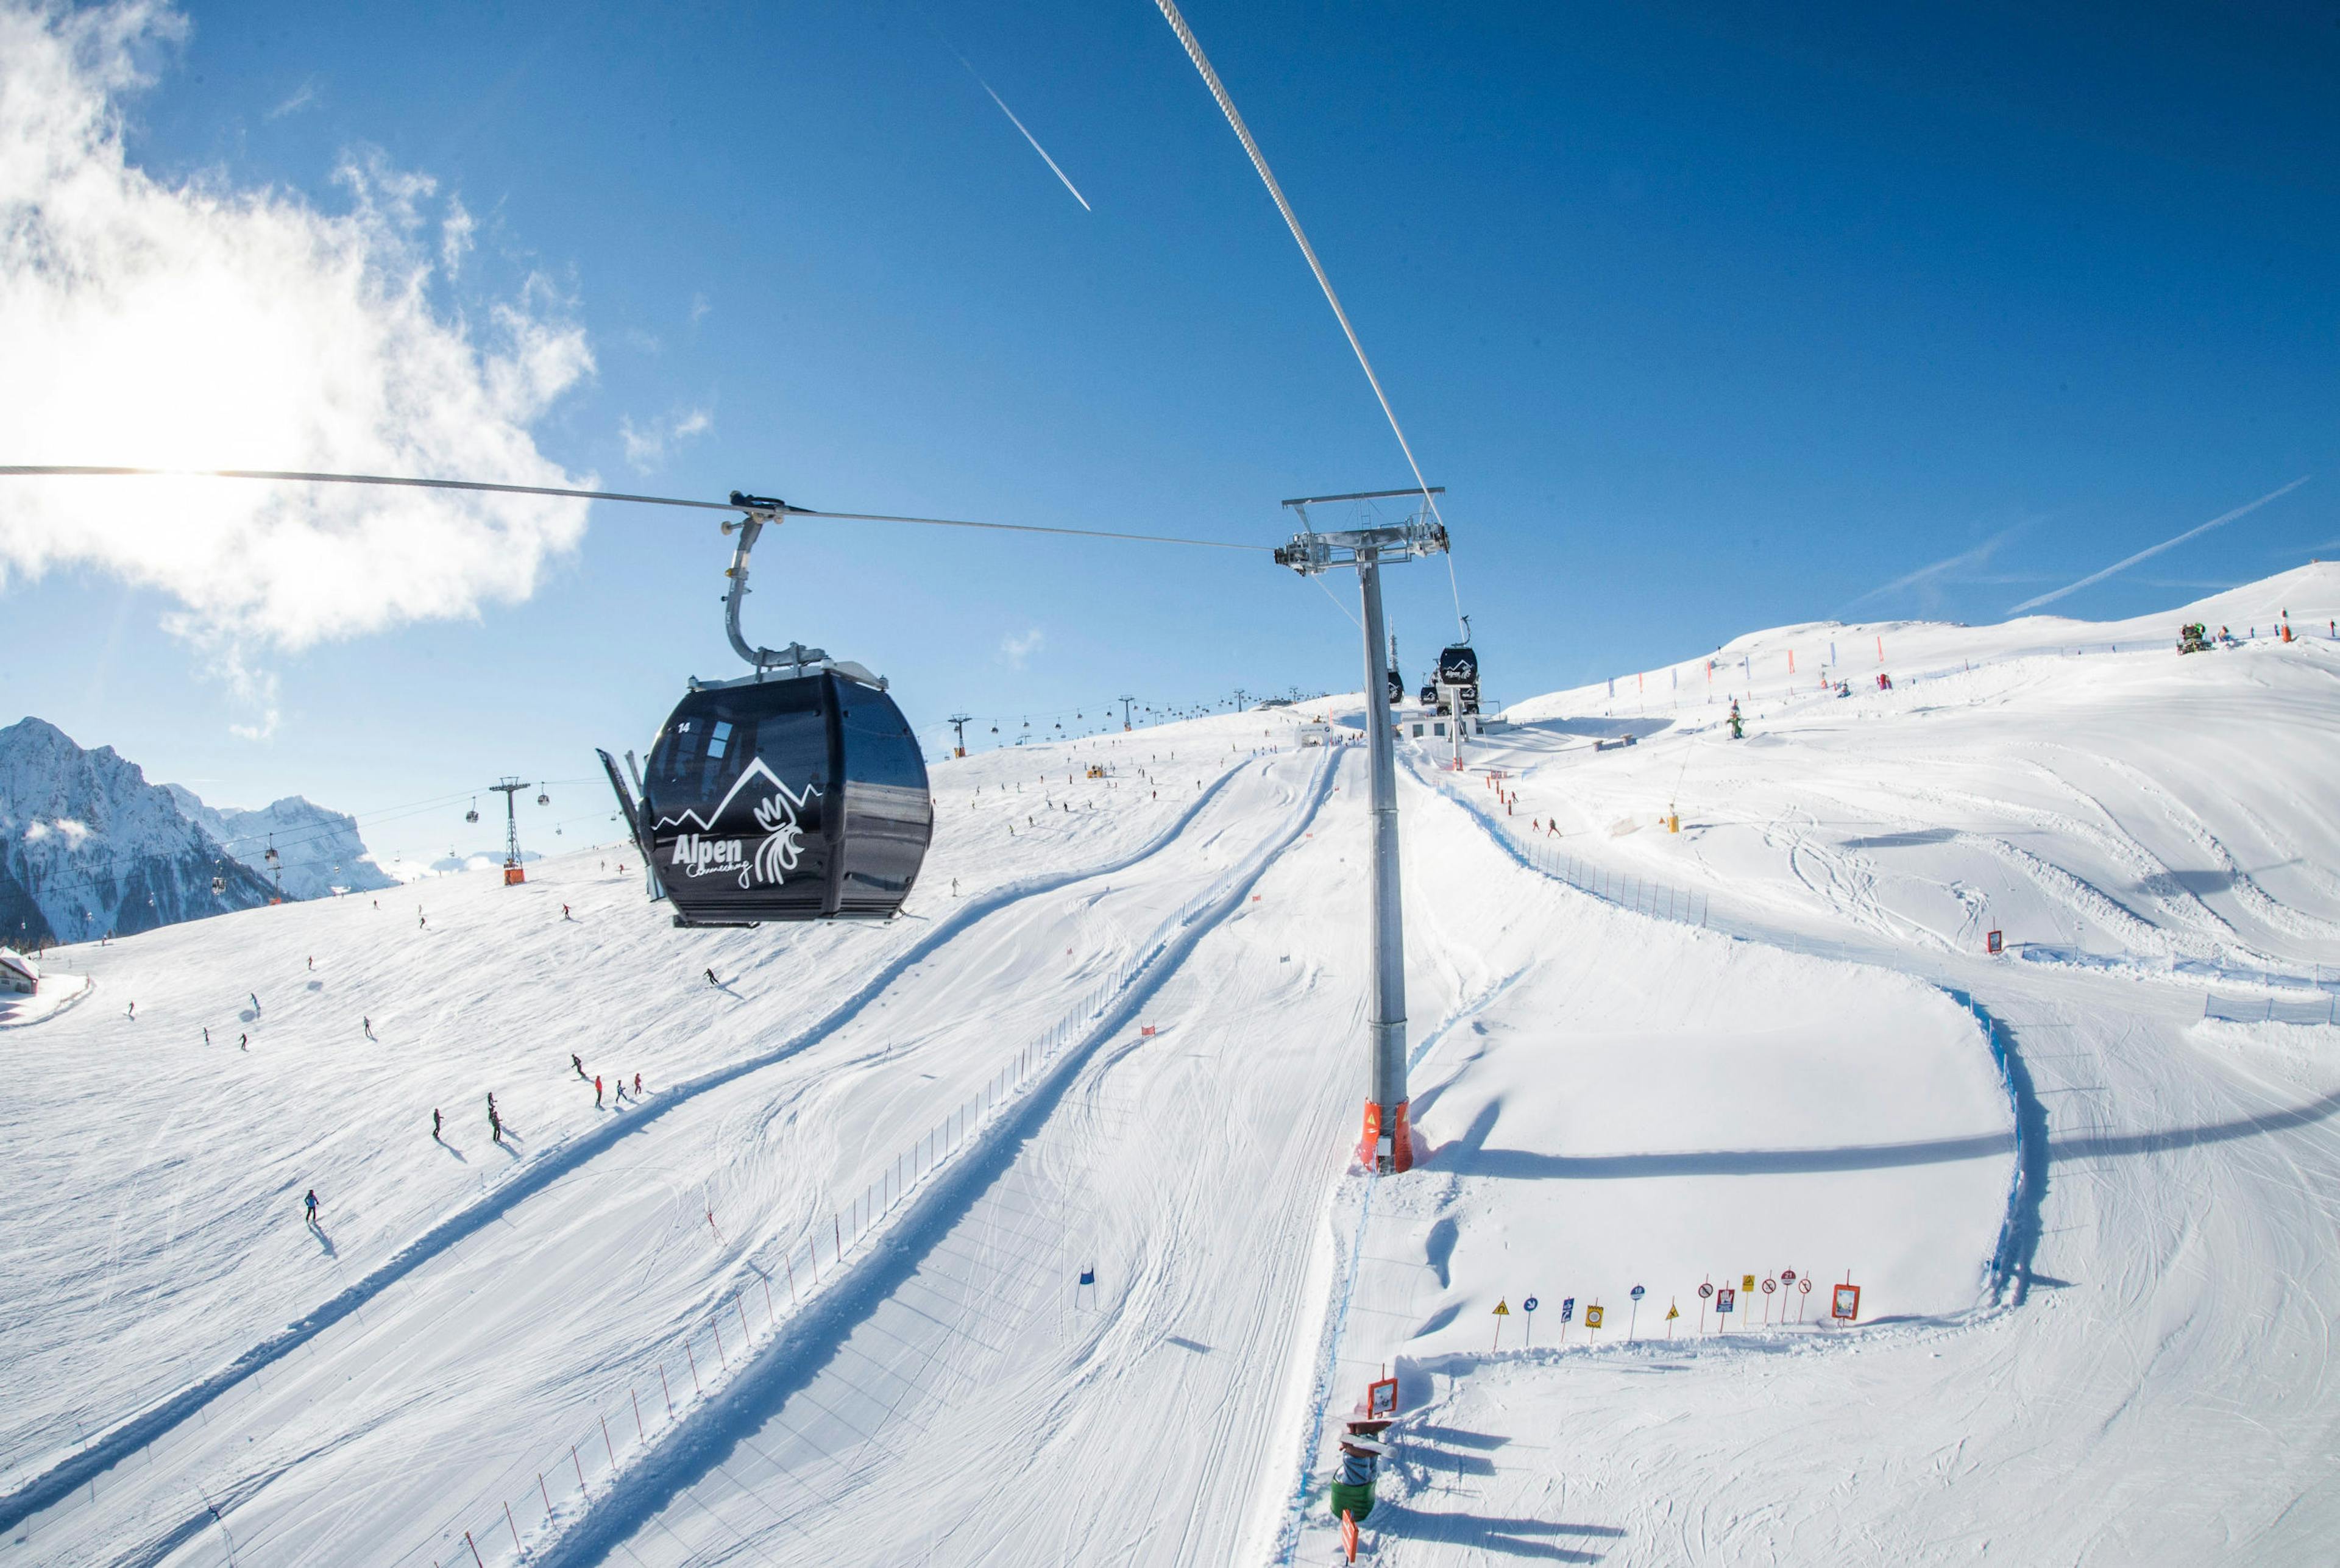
{"x": 711, "y": 852}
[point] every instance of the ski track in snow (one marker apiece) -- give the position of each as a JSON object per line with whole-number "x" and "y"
{"x": 538, "y": 1173}
{"x": 796, "y": 1367}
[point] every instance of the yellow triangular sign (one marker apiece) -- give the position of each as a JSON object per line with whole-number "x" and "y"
{"x": 1503, "y": 1309}
{"x": 1673, "y": 1311}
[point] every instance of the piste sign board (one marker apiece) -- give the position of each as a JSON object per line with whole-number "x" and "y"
{"x": 1846, "y": 1305}
{"x": 1380, "y": 1398}
{"x": 1724, "y": 1299}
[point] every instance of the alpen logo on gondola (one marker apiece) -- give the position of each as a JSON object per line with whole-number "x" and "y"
{"x": 710, "y": 853}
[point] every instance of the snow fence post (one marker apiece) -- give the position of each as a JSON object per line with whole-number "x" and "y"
{"x": 475, "y": 1549}
{"x": 639, "y": 1432}
{"x": 581, "y": 1466}
{"x": 670, "y": 1413}
{"x": 547, "y": 1494}
{"x": 511, "y": 1526}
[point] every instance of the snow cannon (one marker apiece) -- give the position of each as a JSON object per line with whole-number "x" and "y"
{"x": 1360, "y": 1458}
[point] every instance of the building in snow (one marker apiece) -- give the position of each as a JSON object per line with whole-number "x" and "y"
{"x": 18, "y": 972}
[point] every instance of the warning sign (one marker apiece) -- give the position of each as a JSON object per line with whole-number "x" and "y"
{"x": 1380, "y": 1399}
{"x": 1724, "y": 1299}
{"x": 1748, "y": 1283}
{"x": 1770, "y": 1285}
{"x": 1705, "y": 1291}
{"x": 1673, "y": 1311}
{"x": 1503, "y": 1309}
{"x": 1847, "y": 1305}
{"x": 1592, "y": 1317}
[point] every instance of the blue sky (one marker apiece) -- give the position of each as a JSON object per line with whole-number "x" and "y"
{"x": 1707, "y": 323}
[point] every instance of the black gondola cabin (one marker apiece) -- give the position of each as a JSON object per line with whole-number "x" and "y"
{"x": 801, "y": 798}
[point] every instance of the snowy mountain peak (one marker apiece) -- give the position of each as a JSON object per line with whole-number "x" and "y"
{"x": 88, "y": 846}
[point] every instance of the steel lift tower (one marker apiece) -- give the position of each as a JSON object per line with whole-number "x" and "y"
{"x": 1387, "y": 1145}
{"x": 510, "y": 789}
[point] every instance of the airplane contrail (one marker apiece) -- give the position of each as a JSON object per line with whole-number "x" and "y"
{"x": 1012, "y": 120}
{"x": 1975, "y": 557}
{"x": 2218, "y": 521}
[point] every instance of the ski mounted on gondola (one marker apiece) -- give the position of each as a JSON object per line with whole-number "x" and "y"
{"x": 795, "y": 793}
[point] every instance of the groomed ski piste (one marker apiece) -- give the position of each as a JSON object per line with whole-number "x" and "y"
{"x": 1027, "y": 1228}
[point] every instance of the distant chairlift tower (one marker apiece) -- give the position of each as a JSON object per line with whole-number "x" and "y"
{"x": 959, "y": 722}
{"x": 1387, "y": 1143}
{"x": 513, "y": 875}
{"x": 1125, "y": 702}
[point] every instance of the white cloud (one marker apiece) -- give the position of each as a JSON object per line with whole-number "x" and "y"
{"x": 646, "y": 445}
{"x": 1015, "y": 649}
{"x": 199, "y": 325}
{"x": 455, "y": 235}
{"x": 699, "y": 309}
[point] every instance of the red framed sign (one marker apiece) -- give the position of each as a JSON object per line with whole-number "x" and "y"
{"x": 1846, "y": 1303}
{"x": 1991, "y": 942}
{"x": 1380, "y": 1398}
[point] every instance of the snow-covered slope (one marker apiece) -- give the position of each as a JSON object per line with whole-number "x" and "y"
{"x": 1024, "y": 1230}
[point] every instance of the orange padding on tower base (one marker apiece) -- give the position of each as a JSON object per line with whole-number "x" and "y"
{"x": 1400, "y": 1137}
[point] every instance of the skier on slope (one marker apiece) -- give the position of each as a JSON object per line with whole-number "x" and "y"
{"x": 434, "y": 1125}
{"x": 312, "y": 1206}
{"x": 1737, "y": 729}
{"x": 256, "y": 1004}
{"x": 368, "y": 1025}
{"x": 243, "y": 1042}
{"x": 638, "y": 1086}
{"x": 597, "y": 1091}
{"x": 495, "y": 1122}
{"x": 711, "y": 979}
{"x": 578, "y": 1065}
